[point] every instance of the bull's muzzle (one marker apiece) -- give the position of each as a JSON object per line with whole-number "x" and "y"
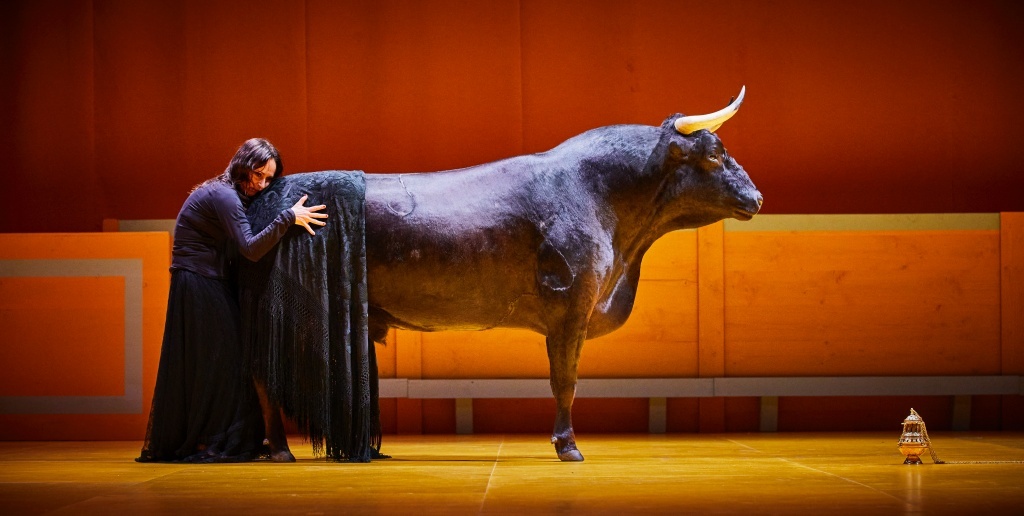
{"x": 750, "y": 208}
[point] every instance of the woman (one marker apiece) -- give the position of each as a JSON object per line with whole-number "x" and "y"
{"x": 204, "y": 408}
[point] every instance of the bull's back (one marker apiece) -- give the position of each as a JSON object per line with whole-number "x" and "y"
{"x": 451, "y": 250}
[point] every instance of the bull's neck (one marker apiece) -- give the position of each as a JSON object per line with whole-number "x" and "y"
{"x": 639, "y": 214}
{"x": 636, "y": 231}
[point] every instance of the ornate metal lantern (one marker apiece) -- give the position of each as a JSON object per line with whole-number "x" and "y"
{"x": 914, "y": 440}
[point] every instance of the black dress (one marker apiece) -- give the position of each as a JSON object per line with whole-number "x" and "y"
{"x": 205, "y": 409}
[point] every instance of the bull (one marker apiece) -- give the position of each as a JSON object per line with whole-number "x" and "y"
{"x": 549, "y": 242}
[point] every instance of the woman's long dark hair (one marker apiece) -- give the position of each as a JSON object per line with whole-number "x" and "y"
{"x": 253, "y": 154}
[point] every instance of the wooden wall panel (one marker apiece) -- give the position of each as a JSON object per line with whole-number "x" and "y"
{"x": 711, "y": 317}
{"x": 498, "y": 353}
{"x": 1012, "y": 273}
{"x": 862, "y": 303}
{"x": 409, "y": 364}
{"x": 711, "y": 300}
{"x": 657, "y": 341}
{"x": 878, "y": 301}
{"x": 83, "y": 319}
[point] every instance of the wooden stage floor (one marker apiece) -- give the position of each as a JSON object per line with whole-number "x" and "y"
{"x": 785, "y": 473}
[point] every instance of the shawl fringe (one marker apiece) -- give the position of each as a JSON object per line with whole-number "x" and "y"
{"x": 305, "y": 316}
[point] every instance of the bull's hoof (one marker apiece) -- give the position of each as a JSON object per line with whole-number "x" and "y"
{"x": 282, "y": 456}
{"x": 565, "y": 447}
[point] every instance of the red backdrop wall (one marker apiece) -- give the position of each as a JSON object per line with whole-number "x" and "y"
{"x": 114, "y": 109}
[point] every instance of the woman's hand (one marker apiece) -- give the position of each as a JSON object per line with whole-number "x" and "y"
{"x": 304, "y": 216}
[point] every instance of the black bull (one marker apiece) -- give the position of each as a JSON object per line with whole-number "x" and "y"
{"x": 549, "y": 242}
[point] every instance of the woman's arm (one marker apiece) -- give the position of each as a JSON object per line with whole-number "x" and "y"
{"x": 232, "y": 216}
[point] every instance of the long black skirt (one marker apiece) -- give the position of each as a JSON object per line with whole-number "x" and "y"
{"x": 205, "y": 407}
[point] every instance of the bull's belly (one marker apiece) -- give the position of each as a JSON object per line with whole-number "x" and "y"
{"x": 445, "y": 314}
{"x": 423, "y": 300}
{"x": 426, "y": 307}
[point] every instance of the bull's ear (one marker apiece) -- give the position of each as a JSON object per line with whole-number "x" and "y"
{"x": 670, "y": 122}
{"x": 675, "y": 154}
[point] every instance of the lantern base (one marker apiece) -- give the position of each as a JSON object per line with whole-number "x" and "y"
{"x": 913, "y": 459}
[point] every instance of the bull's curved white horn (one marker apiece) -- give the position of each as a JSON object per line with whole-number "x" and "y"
{"x": 712, "y": 121}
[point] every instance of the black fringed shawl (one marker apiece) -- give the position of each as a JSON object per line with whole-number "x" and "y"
{"x": 304, "y": 316}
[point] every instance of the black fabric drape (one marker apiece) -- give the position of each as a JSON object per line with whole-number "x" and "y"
{"x": 205, "y": 407}
{"x": 304, "y": 316}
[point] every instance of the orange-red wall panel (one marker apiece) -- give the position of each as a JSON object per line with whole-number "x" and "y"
{"x": 1012, "y": 292}
{"x": 52, "y": 181}
{"x": 63, "y": 336}
{"x": 412, "y": 86}
{"x": 852, "y": 413}
{"x": 143, "y": 152}
{"x": 115, "y": 109}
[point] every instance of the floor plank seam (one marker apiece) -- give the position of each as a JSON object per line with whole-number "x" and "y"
{"x": 850, "y": 480}
{"x": 490, "y": 478}
{"x": 909, "y": 505}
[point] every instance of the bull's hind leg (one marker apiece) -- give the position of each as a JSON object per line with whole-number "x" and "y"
{"x": 274, "y": 426}
{"x": 564, "y": 356}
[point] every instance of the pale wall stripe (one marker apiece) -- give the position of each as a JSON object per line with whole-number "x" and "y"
{"x": 904, "y": 222}
{"x": 711, "y": 387}
{"x": 143, "y": 225}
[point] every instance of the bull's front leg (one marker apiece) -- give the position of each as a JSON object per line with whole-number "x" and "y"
{"x": 564, "y": 356}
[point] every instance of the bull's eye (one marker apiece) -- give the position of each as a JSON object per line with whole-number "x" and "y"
{"x": 713, "y": 158}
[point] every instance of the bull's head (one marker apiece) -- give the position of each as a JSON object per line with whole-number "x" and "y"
{"x": 708, "y": 185}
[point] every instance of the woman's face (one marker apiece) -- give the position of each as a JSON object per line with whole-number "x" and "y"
{"x": 260, "y": 178}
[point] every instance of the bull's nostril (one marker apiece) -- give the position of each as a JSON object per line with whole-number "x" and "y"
{"x": 760, "y": 201}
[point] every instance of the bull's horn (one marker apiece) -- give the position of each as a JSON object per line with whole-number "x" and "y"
{"x": 712, "y": 121}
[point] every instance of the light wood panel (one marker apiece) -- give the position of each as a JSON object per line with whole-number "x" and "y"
{"x": 408, "y": 364}
{"x": 899, "y": 296}
{"x": 711, "y": 320}
{"x": 711, "y": 299}
{"x": 879, "y": 300}
{"x": 848, "y": 303}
